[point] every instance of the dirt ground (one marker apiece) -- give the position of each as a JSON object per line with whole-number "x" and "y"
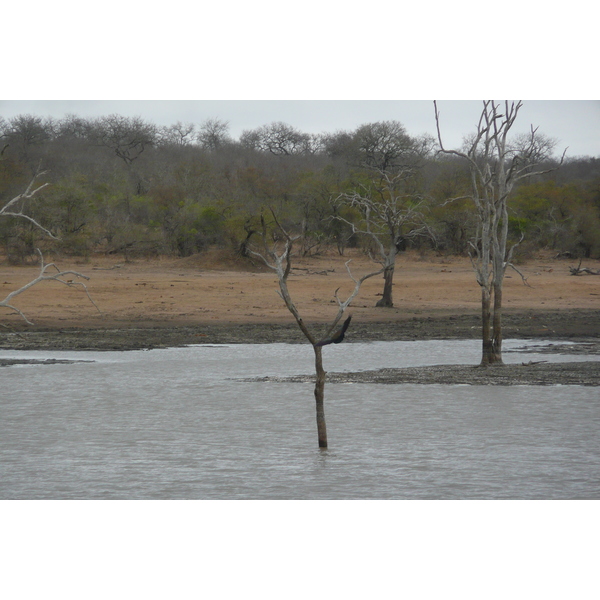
{"x": 214, "y": 298}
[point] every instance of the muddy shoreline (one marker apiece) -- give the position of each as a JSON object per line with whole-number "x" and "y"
{"x": 579, "y": 326}
{"x": 586, "y": 373}
{"x": 575, "y": 325}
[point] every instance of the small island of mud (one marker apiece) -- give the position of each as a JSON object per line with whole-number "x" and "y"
{"x": 569, "y": 373}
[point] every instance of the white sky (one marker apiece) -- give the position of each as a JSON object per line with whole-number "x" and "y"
{"x": 574, "y": 123}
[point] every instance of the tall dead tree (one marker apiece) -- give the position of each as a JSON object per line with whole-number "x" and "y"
{"x": 496, "y": 166}
{"x": 278, "y": 257}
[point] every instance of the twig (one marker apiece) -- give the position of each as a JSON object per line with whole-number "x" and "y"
{"x": 519, "y": 272}
{"x": 26, "y": 195}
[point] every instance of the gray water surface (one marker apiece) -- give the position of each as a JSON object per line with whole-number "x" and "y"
{"x": 179, "y": 424}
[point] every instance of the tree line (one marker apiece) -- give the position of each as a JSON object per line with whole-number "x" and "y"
{"x": 125, "y": 185}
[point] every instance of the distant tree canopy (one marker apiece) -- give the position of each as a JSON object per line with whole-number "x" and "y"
{"x": 124, "y": 185}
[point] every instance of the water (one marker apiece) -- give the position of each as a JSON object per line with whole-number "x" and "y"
{"x": 178, "y": 424}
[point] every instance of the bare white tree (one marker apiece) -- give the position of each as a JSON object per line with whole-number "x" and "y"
{"x": 496, "y": 165}
{"x": 390, "y": 213}
{"x": 278, "y": 257}
{"x": 46, "y": 274}
{"x": 15, "y": 208}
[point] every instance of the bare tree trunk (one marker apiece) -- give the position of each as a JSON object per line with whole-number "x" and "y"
{"x": 388, "y": 279}
{"x": 497, "y": 324}
{"x": 486, "y": 350}
{"x": 491, "y": 326}
{"x": 320, "y": 397}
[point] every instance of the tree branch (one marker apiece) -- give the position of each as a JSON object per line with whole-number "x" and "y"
{"x": 523, "y": 278}
{"x": 27, "y": 195}
{"x": 281, "y": 263}
{"x": 45, "y": 276}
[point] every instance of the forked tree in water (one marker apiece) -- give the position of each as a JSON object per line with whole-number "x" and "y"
{"x": 496, "y": 165}
{"x": 277, "y": 255}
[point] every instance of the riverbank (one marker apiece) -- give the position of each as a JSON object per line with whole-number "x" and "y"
{"x": 575, "y": 325}
{"x": 519, "y": 326}
{"x": 207, "y": 299}
{"x": 224, "y": 299}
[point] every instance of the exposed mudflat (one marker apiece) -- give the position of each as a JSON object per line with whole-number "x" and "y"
{"x": 168, "y": 303}
{"x": 526, "y": 373}
{"x": 172, "y": 302}
{"x": 8, "y": 362}
{"x": 576, "y": 325}
{"x": 571, "y": 373}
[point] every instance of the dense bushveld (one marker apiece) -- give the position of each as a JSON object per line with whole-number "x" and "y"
{"x": 124, "y": 185}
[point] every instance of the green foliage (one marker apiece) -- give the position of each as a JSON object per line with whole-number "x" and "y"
{"x": 132, "y": 194}
{"x": 564, "y": 218}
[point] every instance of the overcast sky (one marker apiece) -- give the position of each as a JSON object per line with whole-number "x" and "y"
{"x": 573, "y": 123}
{"x": 320, "y": 69}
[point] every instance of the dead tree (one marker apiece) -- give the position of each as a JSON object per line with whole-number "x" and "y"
{"x": 389, "y": 214}
{"x": 496, "y": 166}
{"x": 15, "y": 208}
{"x": 278, "y": 257}
{"x": 578, "y": 270}
{"x": 46, "y": 274}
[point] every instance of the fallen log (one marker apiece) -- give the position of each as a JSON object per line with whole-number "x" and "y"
{"x": 578, "y": 270}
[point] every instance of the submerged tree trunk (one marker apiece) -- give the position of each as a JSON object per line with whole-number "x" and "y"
{"x": 497, "y": 323}
{"x": 320, "y": 397}
{"x": 386, "y": 299}
{"x": 491, "y": 325}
